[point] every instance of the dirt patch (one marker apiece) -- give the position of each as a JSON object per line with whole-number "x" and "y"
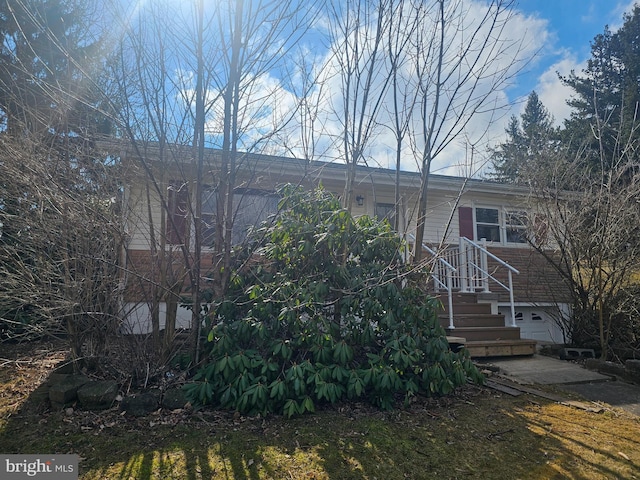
{"x": 23, "y": 368}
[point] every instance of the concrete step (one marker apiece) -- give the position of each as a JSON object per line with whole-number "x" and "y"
{"x": 486, "y": 333}
{"x": 500, "y": 348}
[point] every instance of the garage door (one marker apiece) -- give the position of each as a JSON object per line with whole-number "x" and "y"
{"x": 536, "y": 323}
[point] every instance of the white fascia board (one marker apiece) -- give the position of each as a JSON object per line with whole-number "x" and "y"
{"x": 278, "y": 166}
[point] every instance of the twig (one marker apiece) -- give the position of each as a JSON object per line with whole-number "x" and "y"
{"x": 498, "y": 434}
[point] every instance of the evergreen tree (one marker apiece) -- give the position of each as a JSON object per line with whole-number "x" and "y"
{"x": 49, "y": 64}
{"x": 529, "y": 140}
{"x": 606, "y": 98}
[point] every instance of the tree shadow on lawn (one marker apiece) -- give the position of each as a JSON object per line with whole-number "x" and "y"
{"x": 446, "y": 438}
{"x": 476, "y": 433}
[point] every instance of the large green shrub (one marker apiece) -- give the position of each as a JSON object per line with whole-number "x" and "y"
{"x": 327, "y": 311}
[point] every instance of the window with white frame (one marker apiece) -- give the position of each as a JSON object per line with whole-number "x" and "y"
{"x": 500, "y": 225}
{"x": 516, "y": 226}
{"x": 488, "y": 224}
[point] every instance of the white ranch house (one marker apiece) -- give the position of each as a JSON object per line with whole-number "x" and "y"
{"x": 475, "y": 228}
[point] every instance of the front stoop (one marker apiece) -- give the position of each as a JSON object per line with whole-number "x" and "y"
{"x": 484, "y": 333}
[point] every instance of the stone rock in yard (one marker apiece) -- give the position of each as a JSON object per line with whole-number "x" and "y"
{"x": 68, "y": 368}
{"x": 174, "y": 398}
{"x": 97, "y": 395}
{"x": 633, "y": 370}
{"x": 140, "y": 404}
{"x": 41, "y": 393}
{"x": 633, "y": 365}
{"x": 65, "y": 391}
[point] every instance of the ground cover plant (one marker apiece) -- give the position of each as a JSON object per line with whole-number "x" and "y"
{"x": 325, "y": 311}
{"x": 476, "y": 433}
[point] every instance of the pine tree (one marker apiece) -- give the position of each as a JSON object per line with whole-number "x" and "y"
{"x": 529, "y": 140}
{"x": 607, "y": 97}
{"x": 49, "y": 64}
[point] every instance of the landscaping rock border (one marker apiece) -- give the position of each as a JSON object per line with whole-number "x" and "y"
{"x": 629, "y": 372}
{"x": 64, "y": 390}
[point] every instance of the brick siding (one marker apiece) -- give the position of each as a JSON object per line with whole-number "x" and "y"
{"x": 538, "y": 281}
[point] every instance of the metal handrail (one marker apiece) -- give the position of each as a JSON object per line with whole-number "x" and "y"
{"x": 485, "y": 271}
{"x": 488, "y": 253}
{"x": 466, "y": 264}
{"x": 448, "y": 286}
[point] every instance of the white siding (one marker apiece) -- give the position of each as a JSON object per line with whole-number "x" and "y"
{"x": 138, "y": 318}
{"x": 137, "y": 218}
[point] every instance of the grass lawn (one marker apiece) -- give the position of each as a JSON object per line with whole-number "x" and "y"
{"x": 477, "y": 433}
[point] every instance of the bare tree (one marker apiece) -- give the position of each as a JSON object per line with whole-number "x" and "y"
{"x": 60, "y": 240}
{"x": 305, "y": 137}
{"x": 200, "y": 76}
{"x": 403, "y": 91}
{"x": 424, "y": 70}
{"x": 358, "y": 34}
{"x": 463, "y": 54}
{"x": 156, "y": 120}
{"x": 588, "y": 230}
{"x": 59, "y": 195}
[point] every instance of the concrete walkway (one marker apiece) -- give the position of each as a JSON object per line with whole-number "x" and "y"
{"x": 543, "y": 370}
{"x": 571, "y": 377}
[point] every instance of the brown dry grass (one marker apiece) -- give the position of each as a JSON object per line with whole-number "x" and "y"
{"x": 478, "y": 433}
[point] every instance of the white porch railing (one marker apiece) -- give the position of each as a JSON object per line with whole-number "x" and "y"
{"x": 465, "y": 268}
{"x": 444, "y": 276}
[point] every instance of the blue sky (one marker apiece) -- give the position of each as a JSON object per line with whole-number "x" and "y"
{"x": 559, "y": 32}
{"x": 570, "y": 25}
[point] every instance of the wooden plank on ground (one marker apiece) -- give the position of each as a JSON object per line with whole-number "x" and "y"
{"x": 540, "y": 393}
{"x": 503, "y": 388}
{"x": 589, "y": 407}
{"x": 515, "y": 390}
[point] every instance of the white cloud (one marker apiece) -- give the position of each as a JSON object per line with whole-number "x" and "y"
{"x": 271, "y": 101}
{"x": 512, "y": 43}
{"x": 552, "y": 92}
{"x": 617, "y": 13}
{"x": 274, "y": 97}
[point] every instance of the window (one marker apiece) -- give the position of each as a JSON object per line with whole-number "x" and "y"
{"x": 516, "y": 226}
{"x": 540, "y": 229}
{"x": 501, "y": 225}
{"x": 488, "y": 224}
{"x": 386, "y": 211}
{"x": 251, "y": 207}
{"x": 208, "y": 216}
